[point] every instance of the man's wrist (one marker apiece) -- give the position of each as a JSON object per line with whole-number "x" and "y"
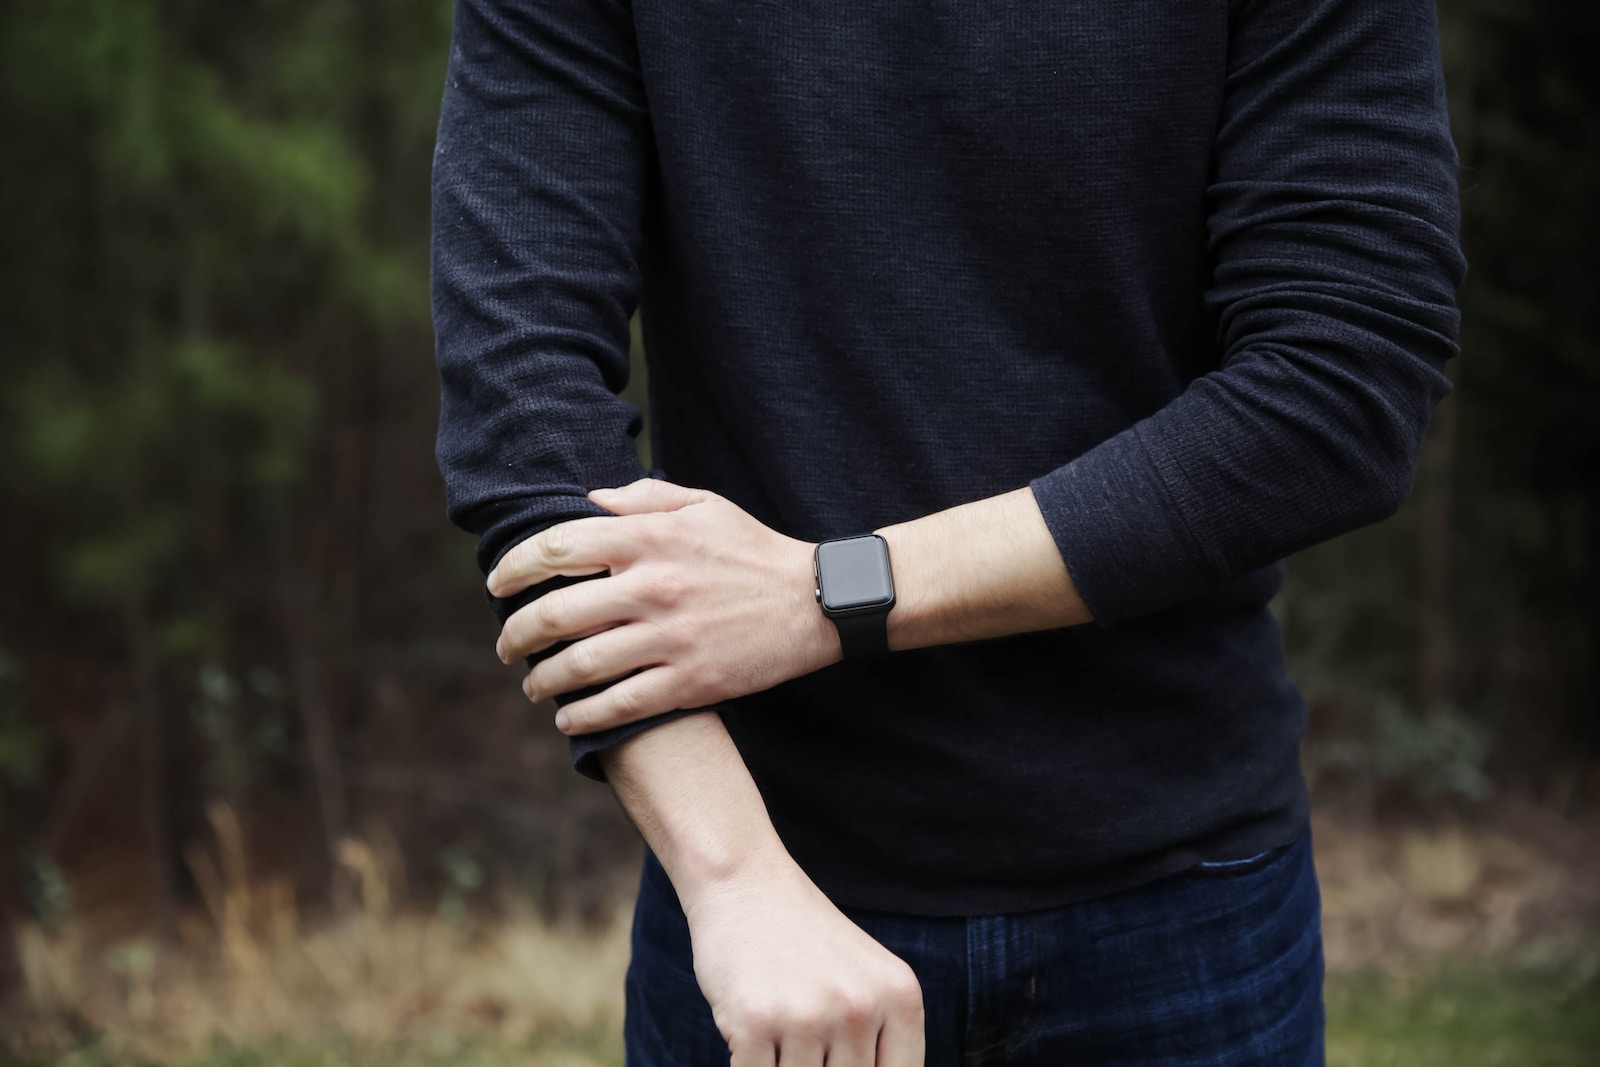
{"x": 703, "y": 868}
{"x": 919, "y": 551}
{"x": 687, "y": 790}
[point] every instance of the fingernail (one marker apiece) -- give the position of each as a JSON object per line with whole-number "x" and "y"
{"x": 562, "y": 721}
{"x": 490, "y": 581}
{"x": 500, "y": 648}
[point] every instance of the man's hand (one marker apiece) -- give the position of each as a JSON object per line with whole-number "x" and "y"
{"x": 790, "y": 978}
{"x": 785, "y": 973}
{"x": 702, "y": 604}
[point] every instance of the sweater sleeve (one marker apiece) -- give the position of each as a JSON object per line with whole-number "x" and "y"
{"x": 1333, "y": 228}
{"x": 539, "y": 181}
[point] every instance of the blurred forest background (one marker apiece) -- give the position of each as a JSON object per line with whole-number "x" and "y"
{"x": 266, "y": 796}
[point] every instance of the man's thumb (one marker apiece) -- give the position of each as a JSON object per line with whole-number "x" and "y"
{"x": 648, "y": 494}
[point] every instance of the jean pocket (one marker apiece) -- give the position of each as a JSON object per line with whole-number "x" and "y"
{"x": 1238, "y": 868}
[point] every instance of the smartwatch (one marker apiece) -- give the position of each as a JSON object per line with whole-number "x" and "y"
{"x": 856, "y": 590}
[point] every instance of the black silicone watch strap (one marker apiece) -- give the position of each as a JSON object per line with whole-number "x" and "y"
{"x": 864, "y": 636}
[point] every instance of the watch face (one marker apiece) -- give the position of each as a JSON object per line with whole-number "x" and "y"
{"x": 853, "y": 574}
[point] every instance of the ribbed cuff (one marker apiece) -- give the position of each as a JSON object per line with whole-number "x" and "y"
{"x": 1121, "y": 535}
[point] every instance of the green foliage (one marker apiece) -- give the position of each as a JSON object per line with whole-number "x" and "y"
{"x": 215, "y": 205}
{"x": 463, "y": 877}
{"x": 203, "y": 420}
{"x": 1351, "y": 628}
{"x": 1430, "y": 759}
{"x": 1440, "y": 754}
{"x": 48, "y": 895}
{"x": 187, "y": 204}
{"x": 1464, "y": 1017}
{"x": 242, "y": 721}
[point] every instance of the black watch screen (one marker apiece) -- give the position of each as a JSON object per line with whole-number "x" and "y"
{"x": 853, "y": 575}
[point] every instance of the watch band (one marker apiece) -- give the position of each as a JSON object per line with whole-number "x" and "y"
{"x": 864, "y": 636}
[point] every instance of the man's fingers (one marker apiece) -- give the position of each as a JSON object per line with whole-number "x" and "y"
{"x": 639, "y": 696}
{"x": 648, "y": 494}
{"x": 800, "y": 1050}
{"x": 754, "y": 1054}
{"x": 563, "y": 615}
{"x": 901, "y": 1042}
{"x": 600, "y": 658}
{"x": 582, "y": 546}
{"x": 854, "y": 1050}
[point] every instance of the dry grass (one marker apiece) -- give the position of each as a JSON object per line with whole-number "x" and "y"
{"x": 382, "y": 985}
{"x": 248, "y": 972}
{"x": 1521, "y": 891}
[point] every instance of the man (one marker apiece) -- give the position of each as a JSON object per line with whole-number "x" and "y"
{"x": 1092, "y": 312}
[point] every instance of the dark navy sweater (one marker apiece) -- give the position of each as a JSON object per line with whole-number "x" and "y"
{"x": 1185, "y": 266}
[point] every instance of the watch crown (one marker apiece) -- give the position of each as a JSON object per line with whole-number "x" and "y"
{"x": 818, "y": 593}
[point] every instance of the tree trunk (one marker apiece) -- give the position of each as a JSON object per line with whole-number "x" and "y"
{"x": 147, "y": 711}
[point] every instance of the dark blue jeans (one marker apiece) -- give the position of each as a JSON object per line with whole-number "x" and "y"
{"x": 1219, "y": 965}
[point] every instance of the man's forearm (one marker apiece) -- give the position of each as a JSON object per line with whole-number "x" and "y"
{"x": 702, "y": 604}
{"x": 686, "y": 788}
{"x": 985, "y": 569}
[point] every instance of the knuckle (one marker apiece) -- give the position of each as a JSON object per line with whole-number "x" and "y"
{"x": 783, "y": 1024}
{"x": 754, "y": 1021}
{"x": 663, "y": 589}
{"x": 814, "y": 1020}
{"x": 548, "y": 611}
{"x": 628, "y": 703}
{"x": 582, "y": 660}
{"x": 556, "y": 544}
{"x": 907, "y": 999}
{"x": 855, "y": 1011}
